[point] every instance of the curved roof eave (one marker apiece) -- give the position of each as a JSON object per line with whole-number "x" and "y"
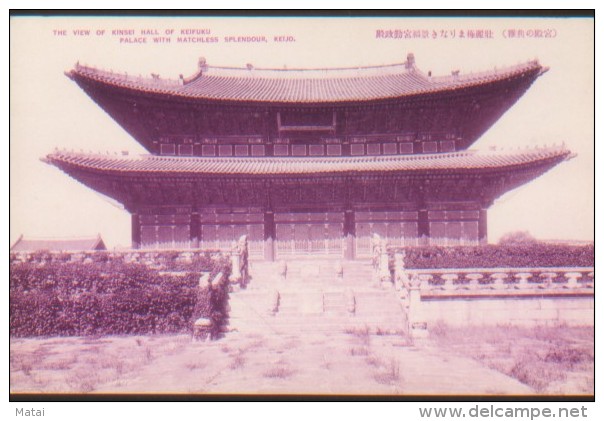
{"x": 321, "y": 91}
{"x": 445, "y": 162}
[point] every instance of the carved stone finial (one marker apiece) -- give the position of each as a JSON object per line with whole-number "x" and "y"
{"x": 410, "y": 63}
{"x": 202, "y": 64}
{"x": 283, "y": 269}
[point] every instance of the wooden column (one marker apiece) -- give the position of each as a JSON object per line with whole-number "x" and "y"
{"x": 423, "y": 226}
{"x": 195, "y": 232}
{"x": 269, "y": 236}
{"x": 349, "y": 235}
{"x": 136, "y": 231}
{"x": 482, "y": 227}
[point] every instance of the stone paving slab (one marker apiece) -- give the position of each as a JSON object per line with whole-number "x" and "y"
{"x": 342, "y": 364}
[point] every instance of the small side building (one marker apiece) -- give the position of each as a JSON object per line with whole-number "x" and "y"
{"x": 56, "y": 244}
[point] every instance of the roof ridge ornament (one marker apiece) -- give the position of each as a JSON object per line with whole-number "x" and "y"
{"x": 202, "y": 64}
{"x": 410, "y": 63}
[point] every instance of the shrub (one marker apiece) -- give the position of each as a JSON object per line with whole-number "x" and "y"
{"x": 517, "y": 237}
{"x": 105, "y": 297}
{"x": 492, "y": 256}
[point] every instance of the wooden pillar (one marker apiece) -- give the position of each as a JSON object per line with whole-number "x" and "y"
{"x": 136, "y": 231}
{"x": 349, "y": 235}
{"x": 482, "y": 227}
{"x": 423, "y": 226}
{"x": 269, "y": 236}
{"x": 195, "y": 233}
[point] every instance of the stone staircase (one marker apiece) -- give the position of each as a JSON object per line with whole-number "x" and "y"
{"x": 314, "y": 299}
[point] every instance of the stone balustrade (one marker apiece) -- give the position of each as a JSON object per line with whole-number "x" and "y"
{"x": 523, "y": 296}
{"x": 147, "y": 257}
{"x": 502, "y": 279}
{"x": 489, "y": 296}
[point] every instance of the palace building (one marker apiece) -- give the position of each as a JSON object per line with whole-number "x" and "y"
{"x": 308, "y": 161}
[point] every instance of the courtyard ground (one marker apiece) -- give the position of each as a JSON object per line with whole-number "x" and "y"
{"x": 478, "y": 361}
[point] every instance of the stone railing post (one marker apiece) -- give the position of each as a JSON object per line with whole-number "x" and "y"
{"x": 244, "y": 259}
{"x": 426, "y": 281}
{"x": 282, "y": 270}
{"x": 202, "y": 327}
{"x": 523, "y": 280}
{"x": 235, "y": 276}
{"x": 401, "y": 279}
{"x": 450, "y": 279}
{"x": 590, "y": 276}
{"x": 573, "y": 279}
{"x": 418, "y": 328}
{"x": 499, "y": 280}
{"x": 474, "y": 280}
{"x": 376, "y": 246}
{"x": 339, "y": 269}
{"x": 351, "y": 303}
{"x": 548, "y": 279}
{"x": 203, "y": 279}
{"x": 384, "y": 265}
{"x": 185, "y": 257}
{"x": 239, "y": 262}
{"x": 275, "y": 302}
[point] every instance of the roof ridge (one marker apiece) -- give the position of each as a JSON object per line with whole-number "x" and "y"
{"x": 49, "y": 238}
{"x": 304, "y": 69}
{"x": 349, "y": 82}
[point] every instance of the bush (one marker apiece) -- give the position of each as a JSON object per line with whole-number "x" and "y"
{"x": 517, "y": 237}
{"x": 105, "y": 297}
{"x": 494, "y": 256}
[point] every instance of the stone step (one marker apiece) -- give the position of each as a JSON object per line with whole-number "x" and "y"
{"x": 304, "y": 315}
{"x": 315, "y": 324}
{"x": 312, "y": 320}
{"x": 334, "y": 327}
{"x": 327, "y": 329}
{"x": 314, "y": 299}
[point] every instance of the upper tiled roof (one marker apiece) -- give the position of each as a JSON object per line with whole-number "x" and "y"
{"x": 54, "y": 244}
{"x": 456, "y": 161}
{"x": 305, "y": 86}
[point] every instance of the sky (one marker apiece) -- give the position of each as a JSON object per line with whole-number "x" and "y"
{"x": 48, "y": 110}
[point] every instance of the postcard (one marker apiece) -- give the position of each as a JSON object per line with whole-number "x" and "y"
{"x": 209, "y": 206}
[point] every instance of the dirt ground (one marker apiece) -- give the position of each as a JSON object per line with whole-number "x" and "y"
{"x": 551, "y": 360}
{"x": 348, "y": 363}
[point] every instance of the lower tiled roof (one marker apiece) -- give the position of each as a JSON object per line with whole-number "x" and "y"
{"x": 442, "y": 162}
{"x": 59, "y": 244}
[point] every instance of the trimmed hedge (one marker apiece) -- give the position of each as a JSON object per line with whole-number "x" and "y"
{"x": 167, "y": 260}
{"x": 494, "y": 256}
{"x": 102, "y": 298}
